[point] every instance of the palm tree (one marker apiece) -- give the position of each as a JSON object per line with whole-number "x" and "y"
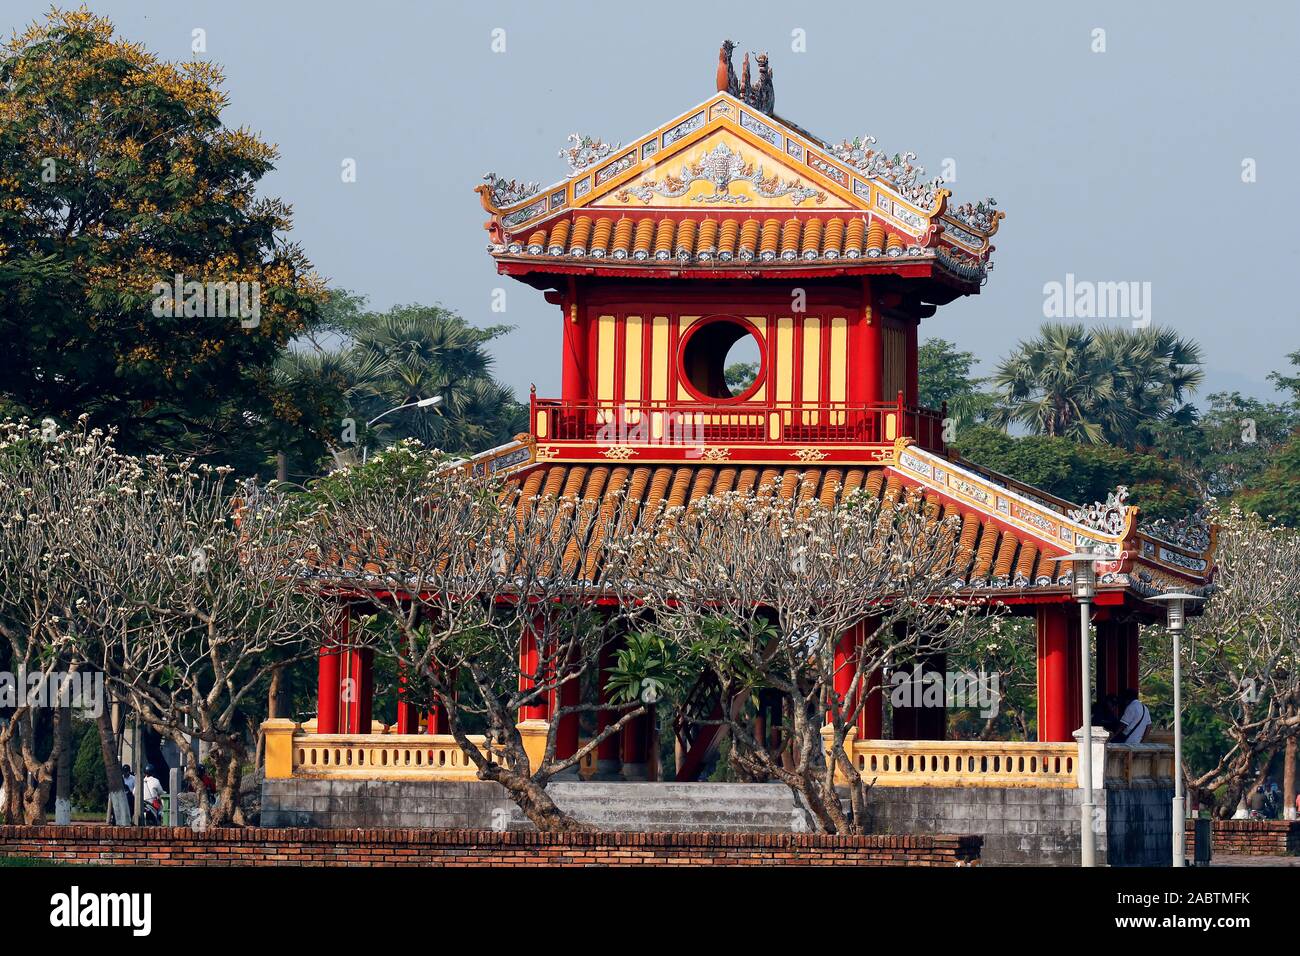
{"x": 371, "y": 362}
{"x": 1098, "y": 386}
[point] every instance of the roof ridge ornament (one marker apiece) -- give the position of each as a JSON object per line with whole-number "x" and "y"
{"x": 761, "y": 95}
{"x": 978, "y": 215}
{"x": 1106, "y": 516}
{"x": 586, "y": 151}
{"x": 507, "y": 192}
{"x": 900, "y": 170}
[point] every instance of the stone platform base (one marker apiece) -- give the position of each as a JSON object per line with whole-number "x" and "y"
{"x": 1018, "y": 825}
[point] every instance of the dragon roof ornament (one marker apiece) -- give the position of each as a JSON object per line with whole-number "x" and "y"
{"x": 507, "y": 192}
{"x": 1193, "y": 532}
{"x": 585, "y": 152}
{"x": 900, "y": 170}
{"x": 1106, "y": 516}
{"x": 978, "y": 215}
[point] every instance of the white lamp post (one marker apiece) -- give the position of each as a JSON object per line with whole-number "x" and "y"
{"x": 1084, "y": 585}
{"x": 1175, "y": 603}
{"x": 418, "y": 403}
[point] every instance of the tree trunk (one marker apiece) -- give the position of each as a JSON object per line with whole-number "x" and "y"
{"x": 281, "y": 466}
{"x": 119, "y": 808}
{"x": 1288, "y": 779}
{"x": 63, "y": 767}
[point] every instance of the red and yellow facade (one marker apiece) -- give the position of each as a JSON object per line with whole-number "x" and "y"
{"x": 728, "y": 222}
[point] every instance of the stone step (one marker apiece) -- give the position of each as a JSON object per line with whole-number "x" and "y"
{"x": 751, "y": 808}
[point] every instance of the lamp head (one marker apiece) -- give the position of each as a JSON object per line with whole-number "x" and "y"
{"x": 1083, "y": 572}
{"x": 1175, "y": 603}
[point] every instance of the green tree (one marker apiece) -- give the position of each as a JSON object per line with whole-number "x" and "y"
{"x": 946, "y": 376}
{"x": 361, "y": 364}
{"x": 117, "y": 174}
{"x": 1105, "y": 385}
{"x": 1083, "y": 473}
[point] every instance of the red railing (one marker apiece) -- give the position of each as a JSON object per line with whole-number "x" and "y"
{"x": 754, "y": 423}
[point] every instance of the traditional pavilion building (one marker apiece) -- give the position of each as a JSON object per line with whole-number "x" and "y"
{"x": 729, "y": 223}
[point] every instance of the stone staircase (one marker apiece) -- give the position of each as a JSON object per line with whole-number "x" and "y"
{"x": 651, "y": 807}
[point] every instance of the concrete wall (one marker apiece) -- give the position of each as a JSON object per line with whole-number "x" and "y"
{"x": 1018, "y": 825}
{"x": 1030, "y": 826}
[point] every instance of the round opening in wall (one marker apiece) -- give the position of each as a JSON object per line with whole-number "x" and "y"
{"x": 722, "y": 359}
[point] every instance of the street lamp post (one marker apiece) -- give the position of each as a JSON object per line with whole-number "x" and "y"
{"x": 418, "y": 403}
{"x": 1084, "y": 582}
{"x": 1175, "y": 603}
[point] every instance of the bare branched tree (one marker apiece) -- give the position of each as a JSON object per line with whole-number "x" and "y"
{"x": 452, "y": 573}
{"x": 195, "y": 596}
{"x": 765, "y": 587}
{"x": 1243, "y": 656}
{"x": 44, "y": 474}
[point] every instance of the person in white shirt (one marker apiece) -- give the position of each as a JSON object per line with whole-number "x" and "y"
{"x": 1135, "y": 720}
{"x": 153, "y": 788}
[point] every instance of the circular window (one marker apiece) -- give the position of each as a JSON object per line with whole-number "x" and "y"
{"x": 722, "y": 359}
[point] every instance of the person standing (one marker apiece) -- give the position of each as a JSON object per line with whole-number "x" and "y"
{"x": 1135, "y": 720}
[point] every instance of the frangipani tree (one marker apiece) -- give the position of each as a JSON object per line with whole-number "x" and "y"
{"x": 764, "y": 588}
{"x": 454, "y": 572}
{"x": 1243, "y": 655}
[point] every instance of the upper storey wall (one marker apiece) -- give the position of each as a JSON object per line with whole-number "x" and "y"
{"x": 818, "y": 345}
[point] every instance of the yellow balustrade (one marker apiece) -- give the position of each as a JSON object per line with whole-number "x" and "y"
{"x": 961, "y": 763}
{"x": 294, "y": 750}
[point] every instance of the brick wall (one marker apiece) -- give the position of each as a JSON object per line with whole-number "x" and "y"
{"x": 1252, "y": 837}
{"x": 160, "y": 846}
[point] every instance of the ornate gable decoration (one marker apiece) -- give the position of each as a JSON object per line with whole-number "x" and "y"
{"x": 733, "y": 151}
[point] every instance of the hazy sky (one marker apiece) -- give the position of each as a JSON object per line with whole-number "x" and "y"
{"x": 1117, "y": 166}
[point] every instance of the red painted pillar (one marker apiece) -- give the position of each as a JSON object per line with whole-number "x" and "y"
{"x": 871, "y": 720}
{"x": 913, "y": 374}
{"x": 356, "y": 690}
{"x": 871, "y": 724}
{"x": 566, "y": 697}
{"x": 408, "y": 713}
{"x": 574, "y": 367}
{"x": 845, "y": 664}
{"x": 865, "y": 375}
{"x": 1055, "y": 723}
{"x": 529, "y": 661}
{"x": 437, "y": 717}
{"x": 327, "y": 675}
{"x": 608, "y": 763}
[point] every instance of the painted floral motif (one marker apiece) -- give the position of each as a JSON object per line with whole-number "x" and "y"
{"x": 722, "y": 166}
{"x": 809, "y": 454}
{"x": 507, "y": 192}
{"x": 586, "y": 151}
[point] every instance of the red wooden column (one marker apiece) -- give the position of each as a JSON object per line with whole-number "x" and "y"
{"x": 575, "y": 366}
{"x": 608, "y": 763}
{"x": 845, "y": 668}
{"x": 1112, "y": 657}
{"x": 327, "y": 674}
{"x": 567, "y": 696}
{"x": 356, "y": 690}
{"x": 408, "y": 713}
{"x": 913, "y": 363}
{"x": 871, "y": 721}
{"x": 529, "y": 661}
{"x": 1056, "y": 704}
{"x": 437, "y": 717}
{"x": 864, "y": 384}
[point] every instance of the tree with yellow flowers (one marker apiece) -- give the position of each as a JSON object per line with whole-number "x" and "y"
{"x": 143, "y": 280}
